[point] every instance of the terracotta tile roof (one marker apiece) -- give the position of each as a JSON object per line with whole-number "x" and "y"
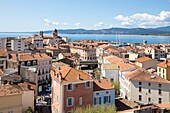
{"x": 28, "y": 40}
{"x": 3, "y": 52}
{"x": 41, "y": 56}
{"x": 112, "y": 50}
{"x": 104, "y": 46}
{"x": 164, "y": 106}
{"x": 51, "y": 47}
{"x": 125, "y": 65}
{"x": 48, "y": 37}
{"x": 142, "y": 75}
{"x": 9, "y": 90}
{"x": 29, "y": 56}
{"x": 26, "y": 57}
{"x": 143, "y": 59}
{"x": 69, "y": 74}
{"x": 103, "y": 84}
{"x": 27, "y": 86}
{"x": 110, "y": 66}
{"x": 113, "y": 59}
{"x": 164, "y": 64}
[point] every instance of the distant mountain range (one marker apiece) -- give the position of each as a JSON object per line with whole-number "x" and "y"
{"x": 129, "y": 31}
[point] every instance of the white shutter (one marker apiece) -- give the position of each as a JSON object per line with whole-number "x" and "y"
{"x": 67, "y": 102}
{"x": 73, "y": 101}
{"x": 73, "y": 86}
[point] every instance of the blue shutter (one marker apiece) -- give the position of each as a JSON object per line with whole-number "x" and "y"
{"x": 94, "y": 101}
{"x": 104, "y": 99}
{"x": 109, "y": 99}
{"x": 99, "y": 100}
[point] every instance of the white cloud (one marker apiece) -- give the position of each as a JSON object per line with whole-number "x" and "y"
{"x": 65, "y": 24}
{"x": 145, "y": 19}
{"x": 50, "y": 22}
{"x": 77, "y": 24}
{"x": 169, "y": 1}
{"x": 102, "y": 25}
{"x": 99, "y": 24}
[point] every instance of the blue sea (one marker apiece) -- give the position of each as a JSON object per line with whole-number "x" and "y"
{"x": 112, "y": 38}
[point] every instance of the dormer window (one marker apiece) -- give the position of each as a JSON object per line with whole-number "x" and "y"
{"x": 69, "y": 87}
{"x": 34, "y": 62}
{"x": 28, "y": 63}
{"x": 88, "y": 84}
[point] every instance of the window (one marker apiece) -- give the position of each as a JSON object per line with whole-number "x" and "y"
{"x": 140, "y": 89}
{"x": 80, "y": 101}
{"x": 97, "y": 100}
{"x": 39, "y": 73}
{"x": 97, "y": 93}
{"x": 106, "y": 99}
{"x": 69, "y": 87}
{"x": 149, "y": 99}
{"x": 70, "y": 101}
{"x": 160, "y": 85}
{"x": 160, "y": 101}
{"x": 28, "y": 63}
{"x": 149, "y": 90}
{"x": 140, "y": 83}
{"x": 34, "y": 62}
{"x": 88, "y": 85}
{"x": 112, "y": 79}
{"x": 42, "y": 71}
{"x": 159, "y": 69}
{"x": 159, "y": 92}
{"x": 140, "y": 97}
{"x": 149, "y": 84}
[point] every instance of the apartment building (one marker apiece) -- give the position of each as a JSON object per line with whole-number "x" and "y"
{"x": 86, "y": 50}
{"x": 17, "y": 44}
{"x": 37, "y": 41}
{"x": 35, "y": 68}
{"x": 27, "y": 96}
{"x": 71, "y": 88}
{"x": 3, "y": 42}
{"x": 146, "y": 63}
{"x": 54, "y": 51}
{"x": 156, "y": 52}
{"x": 16, "y": 98}
{"x": 148, "y": 88}
{"x": 163, "y": 69}
{"x": 103, "y": 92}
{"x": 110, "y": 71}
{"x": 3, "y": 58}
{"x": 10, "y": 99}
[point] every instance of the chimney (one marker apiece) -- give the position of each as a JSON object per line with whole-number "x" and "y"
{"x": 29, "y": 86}
{"x": 60, "y": 76}
{"x": 78, "y": 77}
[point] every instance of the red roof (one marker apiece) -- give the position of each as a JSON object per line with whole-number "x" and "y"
{"x": 143, "y": 59}
{"x": 103, "y": 84}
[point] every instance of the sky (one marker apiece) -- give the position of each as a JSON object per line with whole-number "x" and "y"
{"x": 36, "y": 15}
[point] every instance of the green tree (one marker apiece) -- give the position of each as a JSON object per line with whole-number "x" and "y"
{"x": 98, "y": 74}
{"x": 96, "y": 109}
{"x": 29, "y": 110}
{"x": 117, "y": 87}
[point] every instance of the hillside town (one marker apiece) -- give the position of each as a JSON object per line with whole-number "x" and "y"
{"x": 52, "y": 74}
